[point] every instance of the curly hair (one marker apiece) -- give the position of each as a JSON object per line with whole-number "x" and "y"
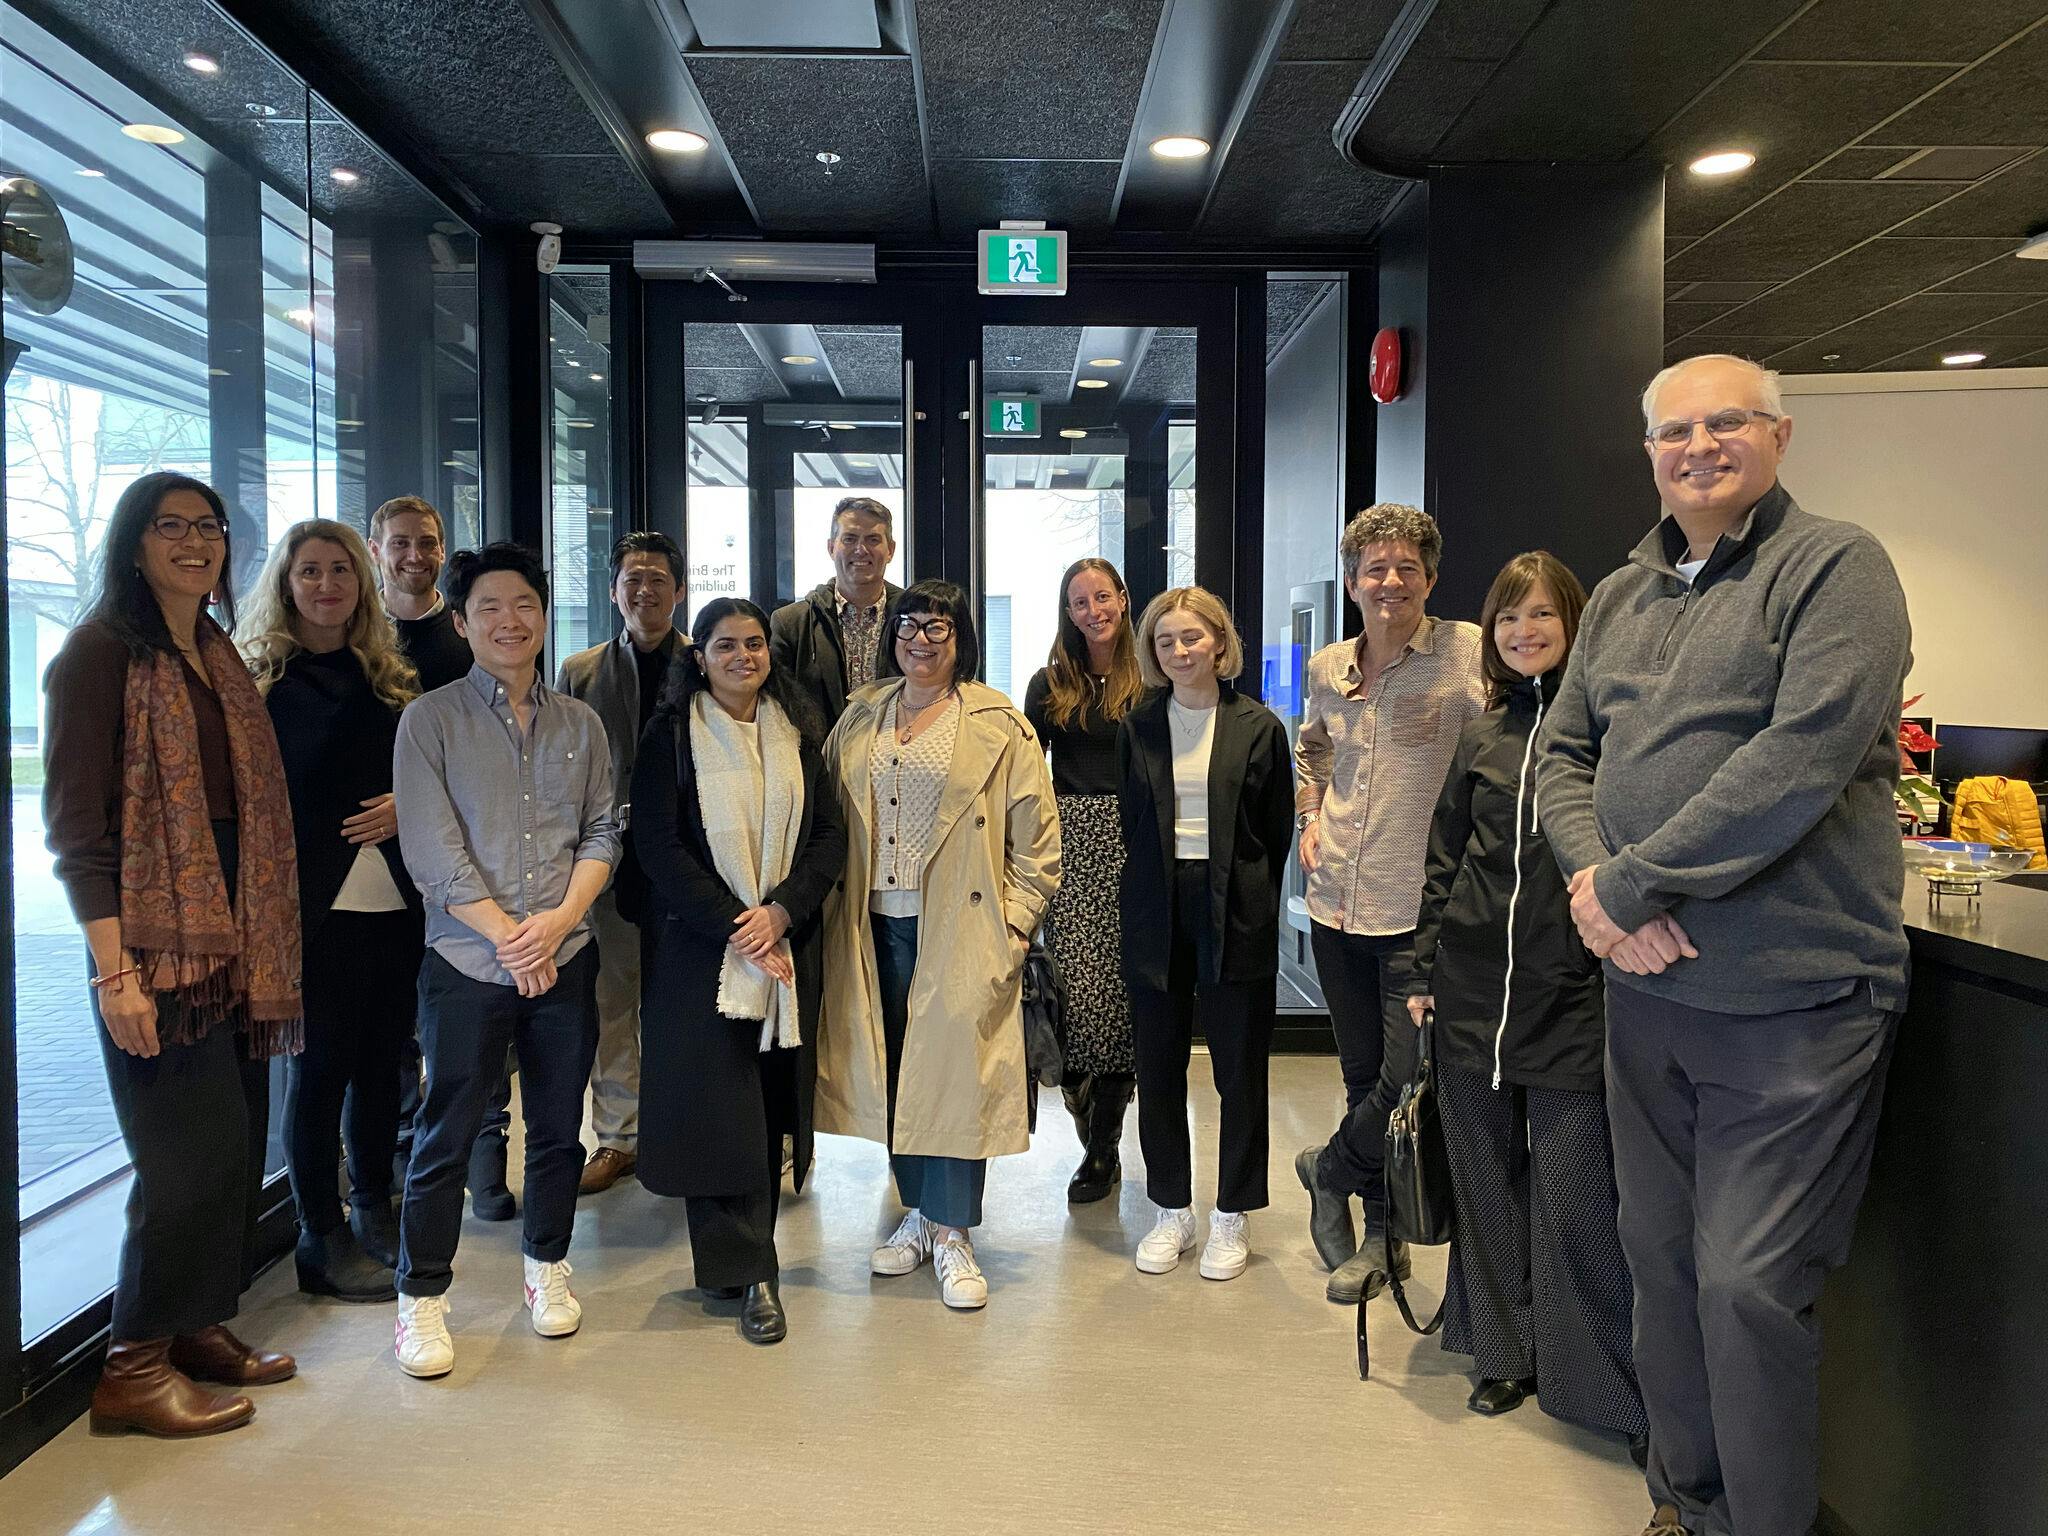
{"x": 268, "y": 634}
{"x": 1390, "y": 522}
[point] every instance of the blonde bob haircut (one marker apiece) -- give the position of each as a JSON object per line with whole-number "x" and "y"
{"x": 1204, "y": 605}
{"x": 268, "y": 633}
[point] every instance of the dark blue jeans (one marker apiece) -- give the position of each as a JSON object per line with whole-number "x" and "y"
{"x": 465, "y": 1026}
{"x": 947, "y": 1189}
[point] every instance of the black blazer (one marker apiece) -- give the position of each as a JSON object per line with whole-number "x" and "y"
{"x": 1251, "y": 832}
{"x": 804, "y": 640}
{"x": 702, "y": 1122}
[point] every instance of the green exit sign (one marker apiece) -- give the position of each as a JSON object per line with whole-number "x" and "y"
{"x": 1010, "y": 416}
{"x": 1023, "y": 261}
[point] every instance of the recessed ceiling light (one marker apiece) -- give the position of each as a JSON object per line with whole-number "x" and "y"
{"x": 1723, "y": 163}
{"x": 861, "y": 460}
{"x": 1961, "y": 359}
{"x": 1180, "y": 146}
{"x": 299, "y": 316}
{"x": 202, "y": 63}
{"x": 1092, "y": 383}
{"x": 345, "y": 176}
{"x": 578, "y": 421}
{"x": 259, "y": 109}
{"x": 453, "y": 464}
{"x": 597, "y": 378}
{"x": 1105, "y": 362}
{"x": 1831, "y": 357}
{"x": 153, "y": 133}
{"x": 826, "y": 158}
{"x": 1073, "y": 432}
{"x": 842, "y": 426}
{"x": 799, "y": 359}
{"x": 89, "y": 171}
{"x": 216, "y": 373}
{"x": 2036, "y": 248}
{"x": 347, "y": 421}
{"x": 677, "y": 141}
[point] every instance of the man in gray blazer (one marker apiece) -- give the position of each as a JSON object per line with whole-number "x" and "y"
{"x": 622, "y": 680}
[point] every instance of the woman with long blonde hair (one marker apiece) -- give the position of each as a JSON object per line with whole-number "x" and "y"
{"x": 326, "y": 659}
{"x": 1076, "y": 703}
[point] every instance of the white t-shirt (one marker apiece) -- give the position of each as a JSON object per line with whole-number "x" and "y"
{"x": 1193, "y": 732}
{"x": 1690, "y": 569}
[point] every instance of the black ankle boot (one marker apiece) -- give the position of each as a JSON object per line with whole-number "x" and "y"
{"x": 1102, "y": 1165}
{"x": 488, "y": 1195}
{"x": 761, "y": 1317}
{"x": 375, "y": 1225}
{"x": 332, "y": 1264}
{"x": 1079, "y": 1092}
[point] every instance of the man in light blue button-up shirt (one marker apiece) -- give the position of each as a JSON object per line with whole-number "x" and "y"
{"x": 505, "y": 798}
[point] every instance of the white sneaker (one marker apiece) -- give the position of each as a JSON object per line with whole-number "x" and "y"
{"x": 961, "y": 1284}
{"x": 424, "y": 1348}
{"x": 556, "y": 1311}
{"x": 1171, "y": 1236}
{"x": 1225, "y": 1254}
{"x": 908, "y": 1246}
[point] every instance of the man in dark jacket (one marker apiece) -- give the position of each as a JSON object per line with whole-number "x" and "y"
{"x": 1717, "y": 784}
{"x": 831, "y": 637}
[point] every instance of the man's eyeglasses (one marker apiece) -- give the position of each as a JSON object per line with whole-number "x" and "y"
{"x": 936, "y": 630}
{"x": 1729, "y": 423}
{"x": 171, "y": 528}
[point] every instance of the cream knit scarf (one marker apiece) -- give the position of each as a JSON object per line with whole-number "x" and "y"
{"x": 752, "y": 811}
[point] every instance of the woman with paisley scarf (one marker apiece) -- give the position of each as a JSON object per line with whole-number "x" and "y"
{"x": 739, "y": 838}
{"x": 165, "y": 802}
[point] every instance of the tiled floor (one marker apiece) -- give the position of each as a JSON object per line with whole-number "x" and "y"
{"x": 1087, "y": 1398}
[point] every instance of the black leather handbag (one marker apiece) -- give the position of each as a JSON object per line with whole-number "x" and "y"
{"x": 1418, "y": 1174}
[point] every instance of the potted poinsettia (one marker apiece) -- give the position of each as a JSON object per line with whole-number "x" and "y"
{"x": 1917, "y": 800}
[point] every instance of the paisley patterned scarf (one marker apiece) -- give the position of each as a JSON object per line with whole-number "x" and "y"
{"x": 233, "y": 962}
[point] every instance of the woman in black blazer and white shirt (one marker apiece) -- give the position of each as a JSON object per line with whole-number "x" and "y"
{"x": 1207, "y": 798}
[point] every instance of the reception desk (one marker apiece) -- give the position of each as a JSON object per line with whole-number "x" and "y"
{"x": 1934, "y": 1376}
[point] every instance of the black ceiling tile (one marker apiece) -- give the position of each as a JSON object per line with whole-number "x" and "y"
{"x": 1288, "y": 303}
{"x": 1045, "y": 82}
{"x": 1997, "y": 354}
{"x": 1339, "y": 29}
{"x": 1734, "y": 293}
{"x": 585, "y": 194}
{"x": 777, "y": 113}
{"x": 1674, "y": 290}
{"x": 1047, "y": 384}
{"x": 1592, "y": 81}
{"x": 1859, "y": 162}
{"x": 1167, "y": 375}
{"x": 1914, "y": 322}
{"x": 1856, "y": 283}
{"x": 1999, "y": 102}
{"x": 457, "y": 75}
{"x": 2008, "y": 274}
{"x": 731, "y": 384}
{"x": 2013, "y": 203}
{"x": 592, "y": 291}
{"x": 1906, "y": 31}
{"x": 1285, "y": 182}
{"x": 1789, "y": 115}
{"x": 2030, "y": 321}
{"x": 1806, "y": 223}
{"x": 1477, "y": 29}
{"x": 2028, "y": 360}
{"x": 1420, "y": 105}
{"x": 715, "y": 345}
{"x": 1030, "y": 347}
{"x": 1067, "y": 194}
{"x": 1681, "y": 318}
{"x": 1754, "y": 347}
{"x": 868, "y": 367}
{"x": 1673, "y": 244}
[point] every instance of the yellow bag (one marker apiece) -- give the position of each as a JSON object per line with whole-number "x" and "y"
{"x": 2001, "y": 812}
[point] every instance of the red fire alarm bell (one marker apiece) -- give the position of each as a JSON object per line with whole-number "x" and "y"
{"x": 1386, "y": 366}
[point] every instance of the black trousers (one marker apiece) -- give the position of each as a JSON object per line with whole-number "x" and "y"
{"x": 732, "y": 1237}
{"x": 1365, "y": 980}
{"x": 194, "y": 1119}
{"x": 361, "y": 978}
{"x": 1741, "y": 1148}
{"x": 1236, "y": 1019}
{"x": 1538, "y": 1286}
{"x": 465, "y": 1026}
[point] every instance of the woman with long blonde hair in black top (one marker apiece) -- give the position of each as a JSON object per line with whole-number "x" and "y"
{"x": 1075, "y": 703}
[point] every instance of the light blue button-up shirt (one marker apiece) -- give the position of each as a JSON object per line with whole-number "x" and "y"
{"x": 484, "y": 811}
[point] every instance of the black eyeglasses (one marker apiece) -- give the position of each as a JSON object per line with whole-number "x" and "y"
{"x": 1729, "y": 423}
{"x": 937, "y": 630}
{"x": 171, "y": 528}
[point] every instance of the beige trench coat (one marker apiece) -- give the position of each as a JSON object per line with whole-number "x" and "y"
{"x": 994, "y": 864}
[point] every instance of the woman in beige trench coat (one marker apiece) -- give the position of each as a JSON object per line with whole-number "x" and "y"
{"x": 953, "y": 851}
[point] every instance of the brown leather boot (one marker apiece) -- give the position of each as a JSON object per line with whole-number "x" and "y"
{"x": 214, "y": 1354}
{"x": 139, "y": 1389}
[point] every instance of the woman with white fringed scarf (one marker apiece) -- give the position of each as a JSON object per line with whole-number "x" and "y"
{"x": 739, "y": 838}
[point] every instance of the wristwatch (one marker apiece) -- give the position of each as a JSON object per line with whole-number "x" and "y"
{"x": 1301, "y": 822}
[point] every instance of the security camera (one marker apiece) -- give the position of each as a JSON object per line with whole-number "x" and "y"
{"x": 549, "y": 256}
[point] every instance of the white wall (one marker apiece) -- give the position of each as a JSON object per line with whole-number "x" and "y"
{"x": 1954, "y": 480}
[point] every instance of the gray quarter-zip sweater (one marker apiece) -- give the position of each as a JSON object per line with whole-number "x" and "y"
{"x": 1726, "y": 751}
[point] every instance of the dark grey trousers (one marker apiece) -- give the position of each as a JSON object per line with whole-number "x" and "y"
{"x": 1741, "y": 1150}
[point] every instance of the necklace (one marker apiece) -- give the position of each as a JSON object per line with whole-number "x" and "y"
{"x": 907, "y": 727}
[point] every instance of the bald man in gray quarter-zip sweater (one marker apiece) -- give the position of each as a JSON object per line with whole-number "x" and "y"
{"x": 1717, "y": 784}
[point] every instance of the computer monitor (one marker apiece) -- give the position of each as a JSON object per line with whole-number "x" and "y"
{"x": 1975, "y": 751}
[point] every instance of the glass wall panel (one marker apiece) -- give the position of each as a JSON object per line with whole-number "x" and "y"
{"x": 582, "y": 525}
{"x": 208, "y": 330}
